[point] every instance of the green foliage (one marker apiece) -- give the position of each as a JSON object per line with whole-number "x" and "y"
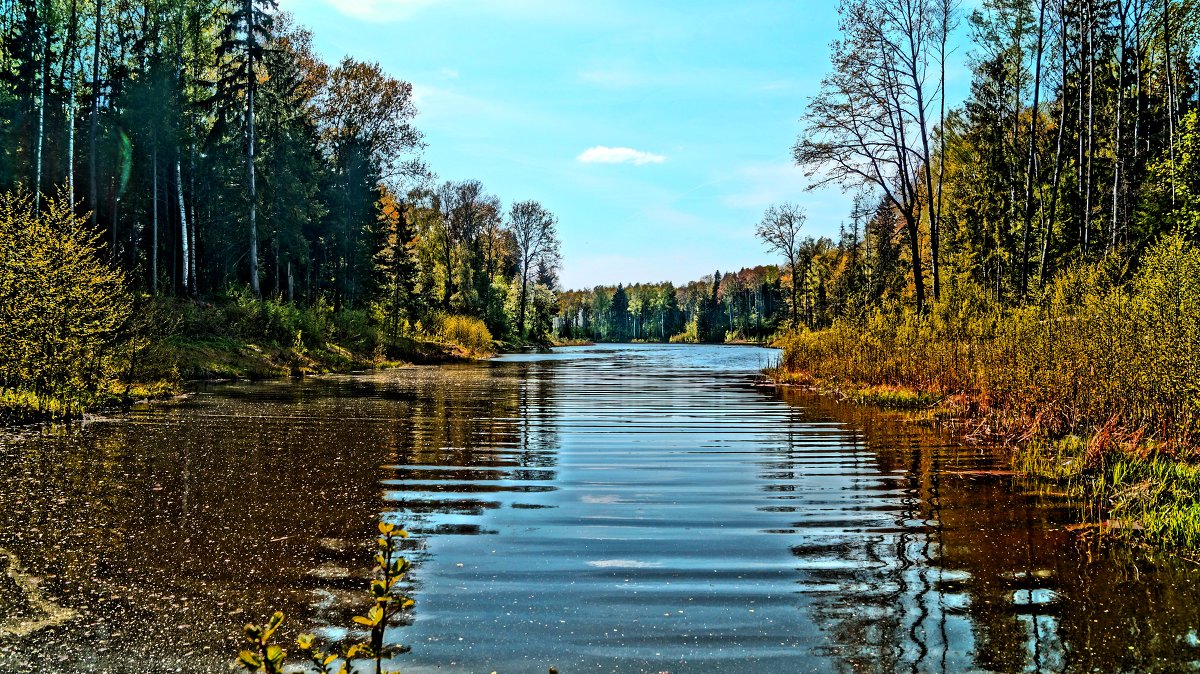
{"x": 1172, "y": 194}
{"x": 65, "y": 332}
{"x": 153, "y": 145}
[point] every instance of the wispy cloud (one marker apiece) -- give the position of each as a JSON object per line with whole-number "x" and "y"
{"x": 545, "y": 11}
{"x": 618, "y": 155}
{"x": 757, "y": 186}
{"x": 379, "y": 10}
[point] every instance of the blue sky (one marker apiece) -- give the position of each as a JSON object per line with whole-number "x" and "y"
{"x": 657, "y": 132}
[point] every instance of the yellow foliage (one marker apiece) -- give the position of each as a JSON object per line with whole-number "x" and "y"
{"x": 469, "y": 333}
{"x": 63, "y": 312}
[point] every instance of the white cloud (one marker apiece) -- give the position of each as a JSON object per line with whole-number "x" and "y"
{"x": 618, "y": 155}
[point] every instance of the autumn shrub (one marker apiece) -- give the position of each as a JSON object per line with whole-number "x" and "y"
{"x": 469, "y": 333}
{"x": 690, "y": 335}
{"x": 64, "y": 314}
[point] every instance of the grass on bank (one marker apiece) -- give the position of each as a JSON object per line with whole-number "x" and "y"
{"x": 1096, "y": 384}
{"x": 239, "y": 337}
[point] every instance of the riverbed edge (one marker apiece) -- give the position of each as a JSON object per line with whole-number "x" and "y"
{"x": 1127, "y": 487}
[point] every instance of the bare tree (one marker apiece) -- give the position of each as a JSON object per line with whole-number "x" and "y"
{"x": 870, "y": 122}
{"x": 533, "y": 228}
{"x": 780, "y": 229}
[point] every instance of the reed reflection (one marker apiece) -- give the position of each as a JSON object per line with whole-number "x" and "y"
{"x": 974, "y": 570}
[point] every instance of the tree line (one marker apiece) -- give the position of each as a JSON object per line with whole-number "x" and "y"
{"x": 1074, "y": 144}
{"x": 745, "y": 305}
{"x": 211, "y": 148}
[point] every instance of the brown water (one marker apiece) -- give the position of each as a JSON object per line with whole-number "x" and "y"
{"x": 620, "y": 508}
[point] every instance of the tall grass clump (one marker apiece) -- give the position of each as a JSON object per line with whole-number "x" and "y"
{"x": 65, "y": 336}
{"x": 1099, "y": 346}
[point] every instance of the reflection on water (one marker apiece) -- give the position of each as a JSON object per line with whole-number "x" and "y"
{"x": 632, "y": 508}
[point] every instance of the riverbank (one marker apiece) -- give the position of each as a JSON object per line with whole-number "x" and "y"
{"x": 172, "y": 342}
{"x": 1092, "y": 385}
{"x": 1130, "y": 486}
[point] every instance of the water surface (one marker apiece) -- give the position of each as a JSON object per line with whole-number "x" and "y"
{"x": 611, "y": 508}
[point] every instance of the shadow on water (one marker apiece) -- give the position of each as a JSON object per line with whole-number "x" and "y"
{"x": 613, "y": 508}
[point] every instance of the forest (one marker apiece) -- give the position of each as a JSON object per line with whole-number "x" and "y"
{"x": 1027, "y": 259}
{"x": 242, "y": 195}
{"x": 743, "y": 306}
{"x": 1073, "y": 143}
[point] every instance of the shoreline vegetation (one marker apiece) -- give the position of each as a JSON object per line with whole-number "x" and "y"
{"x": 1092, "y": 386}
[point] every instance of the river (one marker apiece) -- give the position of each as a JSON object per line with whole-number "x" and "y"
{"x": 597, "y": 509}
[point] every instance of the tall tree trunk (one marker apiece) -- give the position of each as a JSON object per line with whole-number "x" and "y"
{"x": 1058, "y": 148}
{"x": 1091, "y": 125}
{"x": 68, "y": 79}
{"x": 185, "y": 276}
{"x": 193, "y": 229}
{"x": 935, "y": 235}
{"x": 154, "y": 223}
{"x": 795, "y": 294}
{"x": 1029, "y": 163}
{"x": 524, "y": 293}
{"x": 251, "y": 189}
{"x": 1122, "y": 8}
{"x": 934, "y": 267}
{"x": 94, "y": 121}
{"x": 912, "y": 226}
{"x": 41, "y": 118}
{"x": 1170, "y": 94}
{"x": 71, "y": 141}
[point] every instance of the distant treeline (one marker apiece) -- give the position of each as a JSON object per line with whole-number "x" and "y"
{"x": 212, "y": 148}
{"x": 747, "y": 305}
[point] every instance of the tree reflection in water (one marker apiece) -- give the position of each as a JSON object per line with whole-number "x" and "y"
{"x": 976, "y": 570}
{"x": 619, "y": 507}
